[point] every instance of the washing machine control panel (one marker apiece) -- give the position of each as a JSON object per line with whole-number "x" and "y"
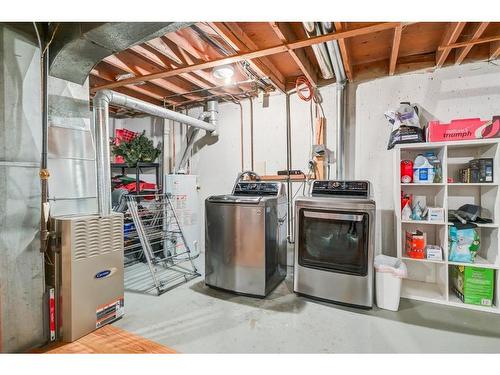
{"x": 341, "y": 188}
{"x": 256, "y": 188}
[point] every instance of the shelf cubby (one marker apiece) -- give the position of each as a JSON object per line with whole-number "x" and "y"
{"x": 454, "y": 300}
{"x": 428, "y": 280}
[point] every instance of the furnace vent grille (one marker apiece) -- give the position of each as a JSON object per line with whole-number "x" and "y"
{"x": 96, "y": 236}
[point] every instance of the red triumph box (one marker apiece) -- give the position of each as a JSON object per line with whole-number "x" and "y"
{"x": 463, "y": 129}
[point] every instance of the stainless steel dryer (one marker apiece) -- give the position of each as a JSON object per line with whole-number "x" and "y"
{"x": 245, "y": 238}
{"x": 334, "y": 243}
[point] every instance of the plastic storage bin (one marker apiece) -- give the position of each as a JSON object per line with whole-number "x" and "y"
{"x": 389, "y": 273}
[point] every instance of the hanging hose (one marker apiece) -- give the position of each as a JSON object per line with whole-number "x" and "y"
{"x": 308, "y": 89}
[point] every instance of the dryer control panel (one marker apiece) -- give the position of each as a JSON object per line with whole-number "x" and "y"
{"x": 256, "y": 189}
{"x": 336, "y": 188}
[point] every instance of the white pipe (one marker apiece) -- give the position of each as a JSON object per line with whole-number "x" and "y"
{"x": 101, "y": 102}
{"x": 340, "y": 159}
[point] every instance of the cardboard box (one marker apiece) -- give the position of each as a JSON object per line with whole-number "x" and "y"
{"x": 415, "y": 244}
{"x": 435, "y": 214}
{"x": 463, "y": 129}
{"x": 474, "y": 285}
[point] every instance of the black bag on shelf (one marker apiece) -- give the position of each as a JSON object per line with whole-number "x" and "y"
{"x": 406, "y": 134}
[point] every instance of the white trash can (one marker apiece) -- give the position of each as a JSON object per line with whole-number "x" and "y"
{"x": 389, "y": 272}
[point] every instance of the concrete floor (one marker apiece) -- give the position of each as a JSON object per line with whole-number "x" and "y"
{"x": 196, "y": 319}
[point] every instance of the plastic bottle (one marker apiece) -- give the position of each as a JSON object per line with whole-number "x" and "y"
{"x": 423, "y": 171}
{"x": 436, "y": 164}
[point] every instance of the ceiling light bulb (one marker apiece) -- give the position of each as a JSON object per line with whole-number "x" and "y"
{"x": 224, "y": 72}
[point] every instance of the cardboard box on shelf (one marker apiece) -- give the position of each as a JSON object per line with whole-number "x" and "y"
{"x": 474, "y": 285}
{"x": 415, "y": 244}
{"x": 463, "y": 129}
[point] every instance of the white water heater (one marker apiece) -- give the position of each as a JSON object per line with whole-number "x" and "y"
{"x": 184, "y": 189}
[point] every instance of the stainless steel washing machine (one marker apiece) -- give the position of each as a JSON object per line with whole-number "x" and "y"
{"x": 334, "y": 243}
{"x": 245, "y": 238}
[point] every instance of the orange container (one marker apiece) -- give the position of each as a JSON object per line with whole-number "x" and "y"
{"x": 415, "y": 244}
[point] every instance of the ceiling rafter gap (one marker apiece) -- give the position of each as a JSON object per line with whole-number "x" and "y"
{"x": 453, "y": 31}
{"x": 241, "y": 42}
{"x": 286, "y": 34}
{"x": 461, "y": 53}
{"x": 494, "y": 50}
{"x": 344, "y": 52}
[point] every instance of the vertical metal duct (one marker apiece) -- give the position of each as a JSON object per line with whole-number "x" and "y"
{"x": 211, "y": 114}
{"x": 102, "y": 100}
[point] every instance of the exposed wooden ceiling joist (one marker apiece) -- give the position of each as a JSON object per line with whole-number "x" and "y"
{"x": 191, "y": 78}
{"x": 344, "y": 52}
{"x": 286, "y": 34}
{"x": 257, "y": 54}
{"x": 470, "y": 43}
{"x": 494, "y": 50}
{"x": 395, "y": 49}
{"x": 450, "y": 36}
{"x": 462, "y": 53}
{"x": 239, "y": 41}
{"x": 129, "y": 67}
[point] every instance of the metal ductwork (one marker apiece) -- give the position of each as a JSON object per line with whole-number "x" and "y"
{"x": 211, "y": 115}
{"x": 334, "y": 53}
{"x": 327, "y": 54}
{"x": 320, "y": 51}
{"x": 78, "y": 47}
{"x": 102, "y": 100}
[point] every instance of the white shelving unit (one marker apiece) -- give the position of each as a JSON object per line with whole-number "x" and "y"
{"x": 429, "y": 280}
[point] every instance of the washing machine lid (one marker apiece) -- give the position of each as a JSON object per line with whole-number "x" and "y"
{"x": 233, "y": 199}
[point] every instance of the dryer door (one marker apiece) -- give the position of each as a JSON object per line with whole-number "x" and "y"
{"x": 334, "y": 240}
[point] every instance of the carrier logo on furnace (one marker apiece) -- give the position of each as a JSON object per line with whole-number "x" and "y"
{"x": 104, "y": 273}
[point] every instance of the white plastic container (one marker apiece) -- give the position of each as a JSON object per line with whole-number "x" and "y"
{"x": 389, "y": 273}
{"x": 423, "y": 171}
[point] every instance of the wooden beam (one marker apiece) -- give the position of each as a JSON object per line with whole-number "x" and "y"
{"x": 140, "y": 63}
{"x": 257, "y": 54}
{"x": 494, "y": 50}
{"x": 462, "y": 53}
{"x": 450, "y": 36}
{"x": 470, "y": 43}
{"x": 344, "y": 52}
{"x": 138, "y": 92}
{"x": 396, "y": 41}
{"x": 102, "y": 76}
{"x": 241, "y": 42}
{"x": 286, "y": 34}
